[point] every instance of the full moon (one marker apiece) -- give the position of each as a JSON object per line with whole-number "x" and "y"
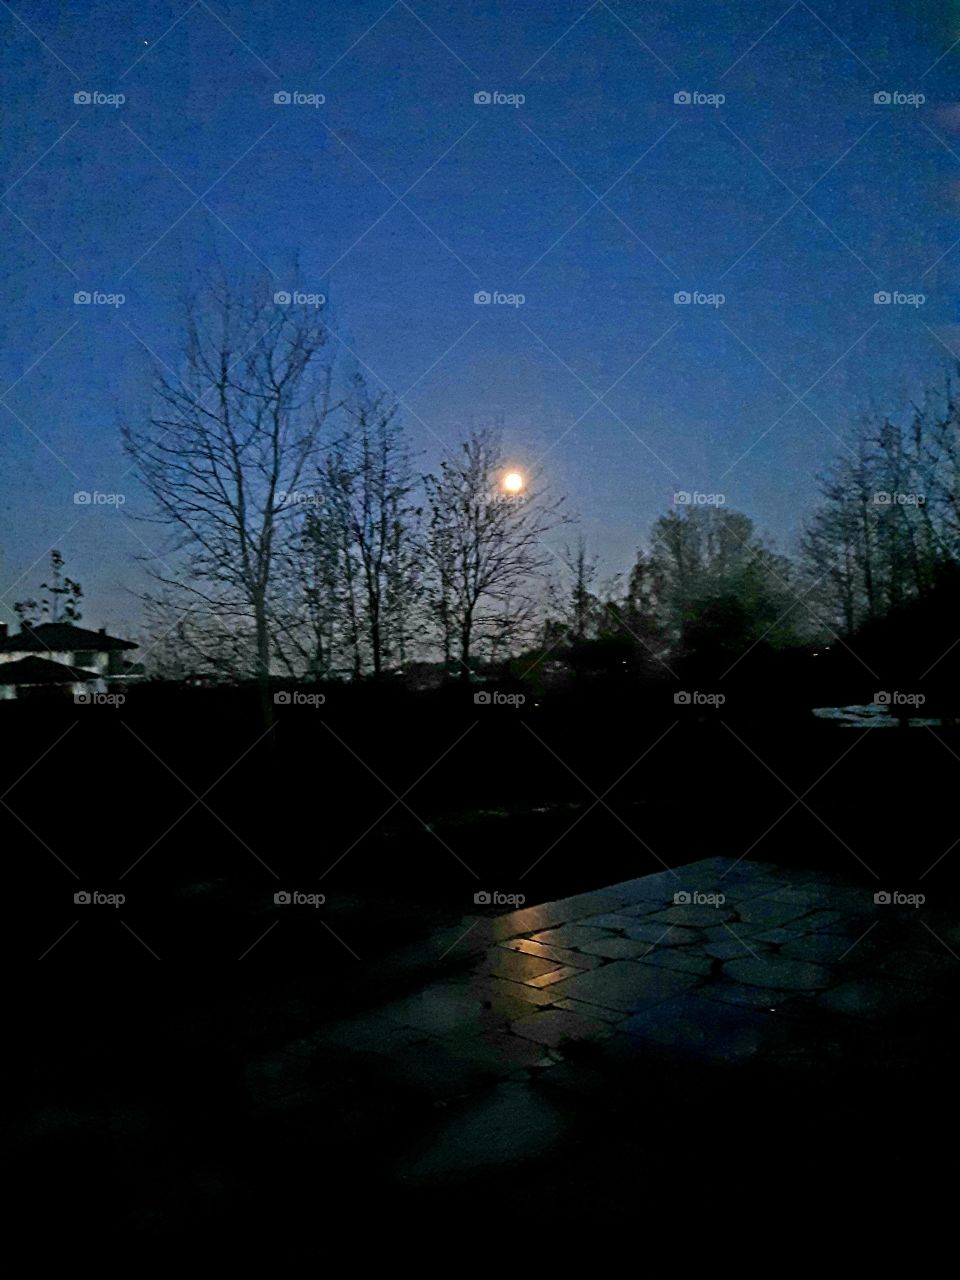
{"x": 513, "y": 482}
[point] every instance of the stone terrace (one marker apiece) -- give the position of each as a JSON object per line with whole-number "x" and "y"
{"x": 788, "y": 969}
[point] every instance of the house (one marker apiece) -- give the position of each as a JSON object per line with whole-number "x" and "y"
{"x": 59, "y": 657}
{"x": 34, "y": 677}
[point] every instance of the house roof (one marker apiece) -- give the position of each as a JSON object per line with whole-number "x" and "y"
{"x": 61, "y": 637}
{"x": 42, "y": 671}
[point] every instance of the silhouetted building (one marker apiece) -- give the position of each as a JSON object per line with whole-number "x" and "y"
{"x": 59, "y": 659}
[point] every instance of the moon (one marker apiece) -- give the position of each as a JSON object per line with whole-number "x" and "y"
{"x": 513, "y": 482}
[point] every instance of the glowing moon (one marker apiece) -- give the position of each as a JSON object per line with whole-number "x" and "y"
{"x": 513, "y": 482}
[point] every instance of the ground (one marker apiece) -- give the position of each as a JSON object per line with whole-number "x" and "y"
{"x": 203, "y": 1065}
{"x": 793, "y": 970}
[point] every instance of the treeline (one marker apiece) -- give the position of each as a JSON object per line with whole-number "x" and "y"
{"x": 884, "y": 537}
{"x": 302, "y": 540}
{"x": 305, "y": 543}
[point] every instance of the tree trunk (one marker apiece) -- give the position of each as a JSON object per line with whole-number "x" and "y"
{"x": 465, "y": 651}
{"x": 263, "y": 663}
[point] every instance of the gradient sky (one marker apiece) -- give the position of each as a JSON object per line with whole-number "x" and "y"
{"x": 692, "y": 197}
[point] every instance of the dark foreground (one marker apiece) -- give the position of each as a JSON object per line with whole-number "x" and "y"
{"x": 183, "y": 1080}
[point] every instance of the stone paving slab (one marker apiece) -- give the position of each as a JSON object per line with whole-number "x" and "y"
{"x": 716, "y": 962}
{"x": 729, "y": 1034}
{"x": 733, "y": 948}
{"x": 625, "y": 985}
{"x": 571, "y": 935}
{"x": 667, "y": 935}
{"x": 562, "y": 955}
{"x": 751, "y": 997}
{"x": 515, "y": 965}
{"x": 779, "y": 973}
{"x": 678, "y": 958}
{"x": 594, "y": 1012}
{"x": 617, "y": 948}
{"x": 554, "y": 1027}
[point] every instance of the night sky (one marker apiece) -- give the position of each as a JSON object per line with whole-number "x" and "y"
{"x": 597, "y": 199}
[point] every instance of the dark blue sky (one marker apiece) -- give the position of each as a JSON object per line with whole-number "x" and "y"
{"x": 692, "y": 197}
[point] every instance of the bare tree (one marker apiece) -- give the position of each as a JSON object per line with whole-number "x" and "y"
{"x": 367, "y": 484}
{"x": 888, "y": 519}
{"x": 310, "y": 587}
{"x": 484, "y": 548}
{"x": 229, "y": 442}
{"x": 60, "y": 604}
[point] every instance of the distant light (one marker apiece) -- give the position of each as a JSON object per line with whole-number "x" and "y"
{"x": 513, "y": 482}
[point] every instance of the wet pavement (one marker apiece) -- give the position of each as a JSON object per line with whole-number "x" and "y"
{"x": 715, "y": 964}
